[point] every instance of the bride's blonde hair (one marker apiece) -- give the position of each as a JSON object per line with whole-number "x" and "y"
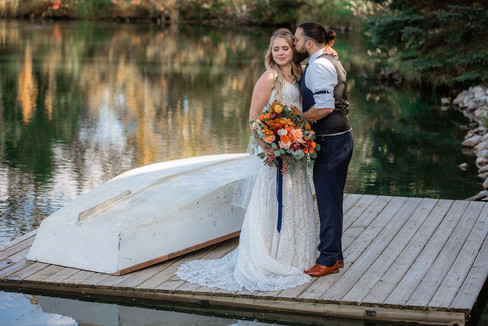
{"x": 296, "y": 68}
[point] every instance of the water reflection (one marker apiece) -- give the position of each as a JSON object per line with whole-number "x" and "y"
{"x": 25, "y": 309}
{"x": 93, "y": 101}
{"x": 81, "y": 103}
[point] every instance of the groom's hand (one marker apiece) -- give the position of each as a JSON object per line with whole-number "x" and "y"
{"x": 313, "y": 114}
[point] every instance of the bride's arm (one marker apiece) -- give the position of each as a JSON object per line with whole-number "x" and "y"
{"x": 261, "y": 94}
{"x": 260, "y": 97}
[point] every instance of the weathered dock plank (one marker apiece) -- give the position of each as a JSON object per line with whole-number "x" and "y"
{"x": 45, "y": 273}
{"x": 26, "y": 271}
{"x": 169, "y": 268}
{"x": 18, "y": 262}
{"x": 429, "y": 285}
{"x": 408, "y": 284}
{"x": 463, "y": 263}
{"x": 477, "y": 276}
{"x": 14, "y": 242}
{"x": 349, "y": 201}
{"x": 78, "y": 277}
{"x": 357, "y": 210}
{"x": 383, "y": 282}
{"x": 16, "y": 247}
{"x": 379, "y": 267}
{"x": 95, "y": 279}
{"x": 60, "y": 276}
{"x": 364, "y": 217}
{"x": 352, "y": 248}
{"x": 373, "y": 251}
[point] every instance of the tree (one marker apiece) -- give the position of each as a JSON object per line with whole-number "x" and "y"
{"x": 443, "y": 41}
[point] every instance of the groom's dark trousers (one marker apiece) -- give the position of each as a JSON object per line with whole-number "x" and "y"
{"x": 330, "y": 168}
{"x": 329, "y": 177}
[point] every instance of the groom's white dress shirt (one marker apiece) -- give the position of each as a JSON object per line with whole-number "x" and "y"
{"x": 321, "y": 77}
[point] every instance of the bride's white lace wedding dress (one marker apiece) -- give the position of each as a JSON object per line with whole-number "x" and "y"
{"x": 267, "y": 260}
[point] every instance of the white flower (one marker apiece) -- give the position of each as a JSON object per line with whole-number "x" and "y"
{"x": 282, "y": 132}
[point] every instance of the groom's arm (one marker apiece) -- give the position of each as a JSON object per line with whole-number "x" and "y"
{"x": 321, "y": 79}
{"x": 314, "y": 114}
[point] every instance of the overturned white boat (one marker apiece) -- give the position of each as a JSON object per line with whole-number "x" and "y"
{"x": 147, "y": 215}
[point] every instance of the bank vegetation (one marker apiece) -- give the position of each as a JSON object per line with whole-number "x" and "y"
{"x": 428, "y": 42}
{"x": 235, "y": 12}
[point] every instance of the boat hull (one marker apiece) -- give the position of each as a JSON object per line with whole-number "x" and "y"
{"x": 147, "y": 215}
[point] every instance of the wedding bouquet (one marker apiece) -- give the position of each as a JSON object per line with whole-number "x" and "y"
{"x": 283, "y": 128}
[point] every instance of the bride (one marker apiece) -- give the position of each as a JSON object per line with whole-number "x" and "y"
{"x": 268, "y": 260}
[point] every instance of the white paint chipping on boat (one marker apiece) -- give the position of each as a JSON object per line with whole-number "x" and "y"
{"x": 147, "y": 215}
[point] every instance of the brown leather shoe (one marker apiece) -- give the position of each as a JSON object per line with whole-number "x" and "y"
{"x": 340, "y": 262}
{"x": 319, "y": 270}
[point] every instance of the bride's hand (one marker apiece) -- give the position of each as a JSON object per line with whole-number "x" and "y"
{"x": 268, "y": 151}
{"x": 329, "y": 50}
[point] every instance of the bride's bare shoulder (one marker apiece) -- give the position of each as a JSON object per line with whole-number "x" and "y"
{"x": 266, "y": 80}
{"x": 268, "y": 76}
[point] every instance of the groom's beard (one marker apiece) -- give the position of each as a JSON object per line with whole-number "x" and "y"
{"x": 300, "y": 56}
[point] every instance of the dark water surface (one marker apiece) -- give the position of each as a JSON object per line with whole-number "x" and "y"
{"x": 83, "y": 102}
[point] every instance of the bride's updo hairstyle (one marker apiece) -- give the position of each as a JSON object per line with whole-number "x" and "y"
{"x": 317, "y": 33}
{"x": 296, "y": 69}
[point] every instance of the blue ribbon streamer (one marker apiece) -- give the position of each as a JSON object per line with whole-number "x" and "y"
{"x": 279, "y": 192}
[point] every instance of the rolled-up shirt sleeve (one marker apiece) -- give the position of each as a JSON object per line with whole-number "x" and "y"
{"x": 321, "y": 78}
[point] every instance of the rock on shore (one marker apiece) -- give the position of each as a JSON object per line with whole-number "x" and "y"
{"x": 473, "y": 103}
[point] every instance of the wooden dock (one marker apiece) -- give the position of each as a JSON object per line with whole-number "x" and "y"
{"x": 406, "y": 260}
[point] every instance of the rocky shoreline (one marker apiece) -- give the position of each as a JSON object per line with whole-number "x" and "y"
{"x": 473, "y": 103}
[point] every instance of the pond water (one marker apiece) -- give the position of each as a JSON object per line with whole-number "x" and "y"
{"x": 82, "y": 102}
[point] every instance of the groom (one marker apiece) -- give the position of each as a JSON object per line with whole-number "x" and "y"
{"x": 323, "y": 89}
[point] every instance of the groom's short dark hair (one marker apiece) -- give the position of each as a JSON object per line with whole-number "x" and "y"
{"x": 314, "y": 31}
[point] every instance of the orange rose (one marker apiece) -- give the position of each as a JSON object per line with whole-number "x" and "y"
{"x": 269, "y": 138}
{"x": 314, "y": 144}
{"x": 297, "y": 135}
{"x": 284, "y": 138}
{"x": 261, "y": 117}
{"x": 278, "y": 109}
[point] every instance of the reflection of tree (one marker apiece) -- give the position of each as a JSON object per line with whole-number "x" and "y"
{"x": 93, "y": 101}
{"x": 27, "y": 87}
